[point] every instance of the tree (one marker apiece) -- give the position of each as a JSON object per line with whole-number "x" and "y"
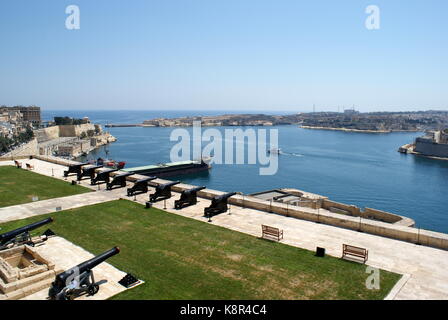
{"x": 5, "y": 144}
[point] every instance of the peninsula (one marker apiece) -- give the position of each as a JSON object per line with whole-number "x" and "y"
{"x": 349, "y": 120}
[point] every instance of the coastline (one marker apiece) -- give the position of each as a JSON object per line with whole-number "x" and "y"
{"x": 355, "y": 130}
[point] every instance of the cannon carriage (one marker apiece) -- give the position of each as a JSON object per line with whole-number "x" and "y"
{"x": 79, "y": 279}
{"x": 119, "y": 180}
{"x": 218, "y": 205}
{"x": 21, "y": 236}
{"x": 74, "y": 168}
{"x": 188, "y": 198}
{"x": 140, "y": 186}
{"x": 163, "y": 191}
{"x": 88, "y": 171}
{"x": 103, "y": 176}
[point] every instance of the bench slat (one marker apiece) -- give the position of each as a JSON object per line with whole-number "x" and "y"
{"x": 272, "y": 232}
{"x": 355, "y": 251}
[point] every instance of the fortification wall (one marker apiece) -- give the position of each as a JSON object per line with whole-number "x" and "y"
{"x": 75, "y": 130}
{"x": 28, "y": 149}
{"x": 352, "y": 210}
{"x": 380, "y": 215}
{"x": 55, "y": 132}
{"x": 431, "y": 149}
{"x": 46, "y": 134}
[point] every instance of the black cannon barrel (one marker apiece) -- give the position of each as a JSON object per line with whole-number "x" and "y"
{"x": 192, "y": 190}
{"x": 169, "y": 184}
{"x": 4, "y": 237}
{"x": 224, "y": 196}
{"x": 86, "y": 265}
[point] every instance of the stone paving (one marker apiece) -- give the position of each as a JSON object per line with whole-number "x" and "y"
{"x": 425, "y": 269}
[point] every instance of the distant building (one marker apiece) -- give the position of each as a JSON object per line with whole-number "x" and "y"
{"x": 350, "y": 112}
{"x": 433, "y": 144}
{"x": 30, "y": 114}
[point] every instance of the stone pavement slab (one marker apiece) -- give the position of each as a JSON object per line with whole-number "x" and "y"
{"x": 30, "y": 209}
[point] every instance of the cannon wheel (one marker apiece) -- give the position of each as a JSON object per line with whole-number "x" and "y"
{"x": 93, "y": 289}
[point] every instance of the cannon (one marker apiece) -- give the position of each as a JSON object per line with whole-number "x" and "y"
{"x": 140, "y": 186}
{"x": 188, "y": 198}
{"x": 74, "y": 168}
{"x": 21, "y": 235}
{"x": 88, "y": 171}
{"x": 163, "y": 191}
{"x": 119, "y": 180}
{"x": 103, "y": 176}
{"x": 79, "y": 279}
{"x": 218, "y": 205}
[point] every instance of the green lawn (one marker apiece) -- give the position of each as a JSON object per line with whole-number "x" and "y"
{"x": 181, "y": 258}
{"x": 20, "y": 186}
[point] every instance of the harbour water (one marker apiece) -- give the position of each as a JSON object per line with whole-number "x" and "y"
{"x": 357, "y": 168}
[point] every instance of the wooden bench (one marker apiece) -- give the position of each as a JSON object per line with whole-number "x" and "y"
{"x": 29, "y": 166}
{"x": 18, "y": 164}
{"x": 348, "y": 250}
{"x": 271, "y": 233}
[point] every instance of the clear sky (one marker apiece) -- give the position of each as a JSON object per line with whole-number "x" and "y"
{"x": 225, "y": 54}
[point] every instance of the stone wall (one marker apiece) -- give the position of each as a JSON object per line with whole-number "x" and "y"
{"x": 55, "y": 132}
{"x": 352, "y": 210}
{"x": 28, "y": 149}
{"x": 431, "y": 149}
{"x": 46, "y": 134}
{"x": 75, "y": 130}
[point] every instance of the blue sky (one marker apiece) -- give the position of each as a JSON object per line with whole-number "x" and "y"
{"x": 227, "y": 55}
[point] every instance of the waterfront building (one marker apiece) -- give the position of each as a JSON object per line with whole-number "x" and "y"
{"x": 30, "y": 114}
{"x": 434, "y": 143}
